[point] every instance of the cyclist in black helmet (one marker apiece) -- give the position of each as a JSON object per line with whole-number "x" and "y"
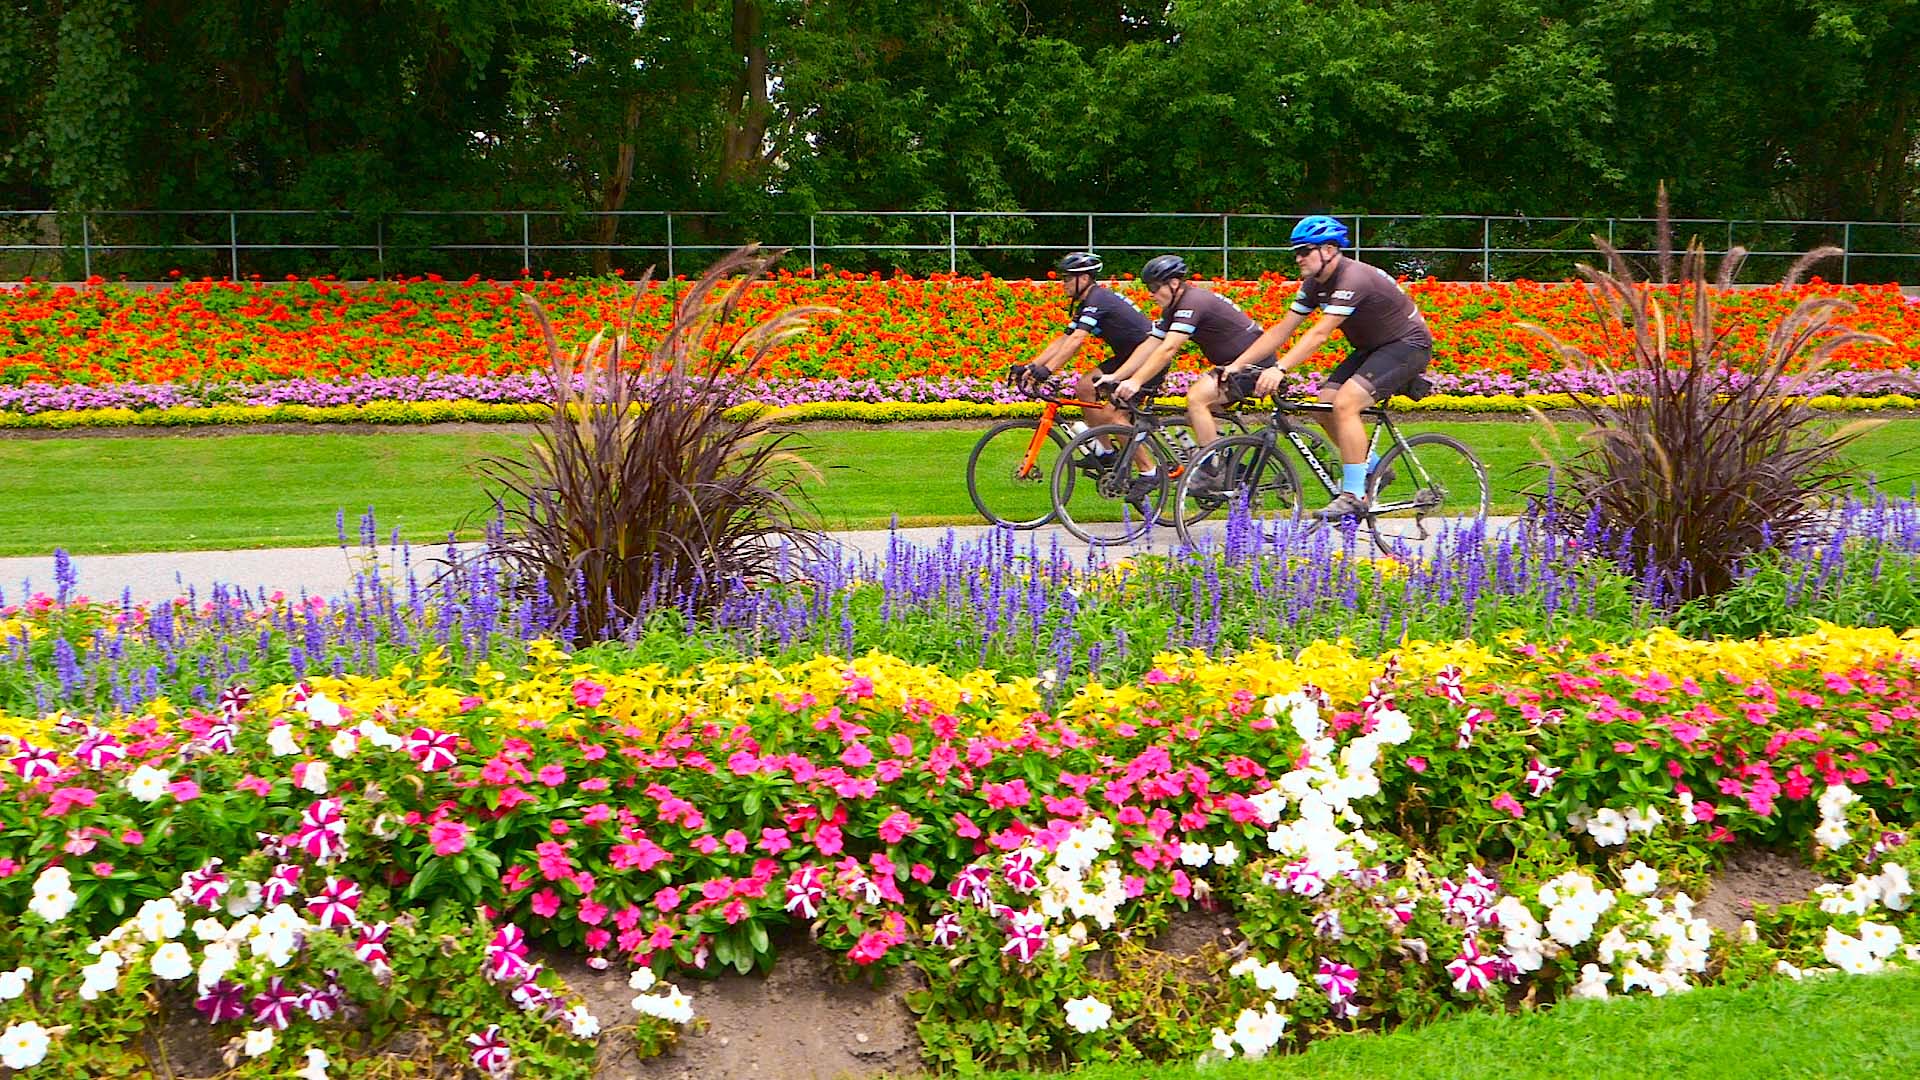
{"x": 1094, "y": 311}
{"x": 1389, "y": 336}
{"x": 1209, "y": 320}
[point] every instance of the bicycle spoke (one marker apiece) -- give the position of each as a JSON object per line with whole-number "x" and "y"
{"x": 1009, "y": 478}
{"x": 1424, "y": 486}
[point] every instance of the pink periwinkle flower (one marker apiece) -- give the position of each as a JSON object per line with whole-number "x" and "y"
{"x": 448, "y": 837}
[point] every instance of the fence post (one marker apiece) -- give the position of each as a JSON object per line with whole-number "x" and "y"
{"x": 1846, "y": 252}
{"x": 813, "y": 260}
{"x": 380, "y": 244}
{"x": 86, "y": 246}
{"x": 1357, "y": 249}
{"x": 669, "y": 245}
{"x": 233, "y": 246}
{"x": 526, "y": 245}
{"x": 1223, "y": 246}
{"x": 1089, "y": 232}
{"x": 1486, "y": 250}
{"x": 953, "y": 263}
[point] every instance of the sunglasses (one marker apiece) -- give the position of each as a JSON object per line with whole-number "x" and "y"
{"x": 1304, "y": 250}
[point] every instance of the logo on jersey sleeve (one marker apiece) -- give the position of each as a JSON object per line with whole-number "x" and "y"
{"x": 1183, "y": 313}
{"x": 1343, "y": 294}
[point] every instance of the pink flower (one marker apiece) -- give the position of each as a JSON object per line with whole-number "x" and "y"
{"x": 856, "y": 756}
{"x": 184, "y": 790}
{"x": 553, "y": 775}
{"x": 1506, "y": 801}
{"x": 587, "y": 694}
{"x": 448, "y": 837}
{"x": 1417, "y": 764}
{"x": 592, "y": 912}
{"x": 66, "y": 798}
{"x": 828, "y": 840}
{"x": 774, "y": 841}
{"x": 898, "y": 826}
{"x": 334, "y": 905}
{"x": 546, "y": 903}
{"x": 254, "y": 784}
{"x": 1540, "y": 778}
{"x": 667, "y": 899}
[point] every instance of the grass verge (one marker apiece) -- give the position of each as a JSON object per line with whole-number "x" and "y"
{"x": 1856, "y": 1027}
{"x": 167, "y": 493}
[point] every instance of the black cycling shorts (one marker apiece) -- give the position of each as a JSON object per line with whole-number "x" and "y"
{"x": 1385, "y": 369}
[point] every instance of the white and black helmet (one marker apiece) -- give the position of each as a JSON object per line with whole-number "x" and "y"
{"x": 1079, "y": 262}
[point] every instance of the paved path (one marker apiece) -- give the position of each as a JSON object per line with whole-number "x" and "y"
{"x": 330, "y": 570}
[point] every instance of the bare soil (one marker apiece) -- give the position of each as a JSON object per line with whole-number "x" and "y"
{"x": 1754, "y": 875}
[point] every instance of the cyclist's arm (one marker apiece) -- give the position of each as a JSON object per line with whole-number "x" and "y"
{"x": 1064, "y": 349}
{"x": 1153, "y": 356}
{"x": 1310, "y": 342}
{"x": 1267, "y": 344}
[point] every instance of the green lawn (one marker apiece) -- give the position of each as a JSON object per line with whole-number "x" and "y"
{"x": 1850, "y": 1028}
{"x": 170, "y": 492}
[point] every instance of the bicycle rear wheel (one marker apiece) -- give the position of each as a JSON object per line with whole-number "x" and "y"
{"x": 1432, "y": 481}
{"x": 1256, "y": 482}
{"x": 1093, "y": 503}
{"x": 1009, "y": 479}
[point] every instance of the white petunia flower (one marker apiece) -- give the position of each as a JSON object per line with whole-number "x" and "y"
{"x": 316, "y": 1067}
{"x": 259, "y": 1041}
{"x": 1640, "y": 879}
{"x": 1087, "y": 1015}
{"x": 22, "y": 1046}
{"x": 147, "y": 783}
{"x": 14, "y": 983}
{"x": 171, "y": 962}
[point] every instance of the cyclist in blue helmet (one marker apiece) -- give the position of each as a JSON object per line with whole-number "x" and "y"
{"x": 1390, "y": 347}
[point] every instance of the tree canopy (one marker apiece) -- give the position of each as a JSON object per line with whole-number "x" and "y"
{"x": 1746, "y": 108}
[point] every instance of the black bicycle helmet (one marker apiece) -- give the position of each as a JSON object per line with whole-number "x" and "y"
{"x": 1080, "y": 262}
{"x": 1163, "y": 268}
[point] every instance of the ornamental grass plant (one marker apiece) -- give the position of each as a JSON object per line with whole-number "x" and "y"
{"x": 1721, "y": 455}
{"x": 640, "y": 493}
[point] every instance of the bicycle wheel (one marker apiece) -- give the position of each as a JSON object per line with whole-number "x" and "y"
{"x": 1008, "y": 479}
{"x": 1257, "y": 482}
{"x": 1093, "y": 502}
{"x": 1431, "y": 482}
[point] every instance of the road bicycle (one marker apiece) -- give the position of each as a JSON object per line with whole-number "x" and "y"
{"x": 1422, "y": 482}
{"x": 1100, "y": 493}
{"x": 1010, "y": 472}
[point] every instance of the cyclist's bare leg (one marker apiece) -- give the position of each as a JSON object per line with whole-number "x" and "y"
{"x": 1202, "y": 396}
{"x": 1098, "y": 415}
{"x": 1343, "y": 424}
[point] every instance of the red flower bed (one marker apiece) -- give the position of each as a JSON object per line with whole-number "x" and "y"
{"x": 883, "y": 328}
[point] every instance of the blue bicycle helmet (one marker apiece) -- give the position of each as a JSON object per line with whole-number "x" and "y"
{"x": 1080, "y": 262}
{"x": 1163, "y": 268}
{"x": 1320, "y": 229}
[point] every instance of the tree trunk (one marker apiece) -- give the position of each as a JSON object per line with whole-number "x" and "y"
{"x": 749, "y": 109}
{"x": 614, "y": 196}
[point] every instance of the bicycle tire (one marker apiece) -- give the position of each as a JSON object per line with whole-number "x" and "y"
{"x": 1264, "y": 485}
{"x": 1442, "y": 482}
{"x": 994, "y": 479}
{"x": 1084, "y": 503}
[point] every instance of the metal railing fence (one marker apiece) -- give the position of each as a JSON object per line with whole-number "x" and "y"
{"x": 154, "y": 245}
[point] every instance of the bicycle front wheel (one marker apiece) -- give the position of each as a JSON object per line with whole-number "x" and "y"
{"x": 1010, "y": 473}
{"x": 1238, "y": 479}
{"x": 1103, "y": 498}
{"x": 1430, "y": 482}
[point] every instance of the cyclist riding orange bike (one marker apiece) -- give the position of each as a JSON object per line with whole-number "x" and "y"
{"x": 1391, "y": 347}
{"x": 1095, "y": 311}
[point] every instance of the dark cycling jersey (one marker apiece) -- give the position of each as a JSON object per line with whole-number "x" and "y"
{"x": 1377, "y": 312}
{"x": 1215, "y": 323}
{"x": 1113, "y": 319}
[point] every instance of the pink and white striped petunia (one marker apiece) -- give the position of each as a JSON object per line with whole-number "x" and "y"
{"x": 1026, "y": 935}
{"x": 432, "y": 750}
{"x": 280, "y": 886}
{"x": 1017, "y": 868}
{"x": 204, "y": 887}
{"x": 1540, "y": 777}
{"x": 277, "y": 1005}
{"x": 1337, "y": 980}
{"x": 947, "y": 931}
{"x": 371, "y": 948}
{"x": 323, "y": 831}
{"x": 970, "y": 885}
{"x": 225, "y": 1000}
{"x": 490, "y": 1052}
{"x": 334, "y": 905}
{"x": 34, "y": 763}
{"x": 234, "y": 701}
{"x": 97, "y": 752}
{"x": 805, "y": 890}
{"x": 1472, "y": 971}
